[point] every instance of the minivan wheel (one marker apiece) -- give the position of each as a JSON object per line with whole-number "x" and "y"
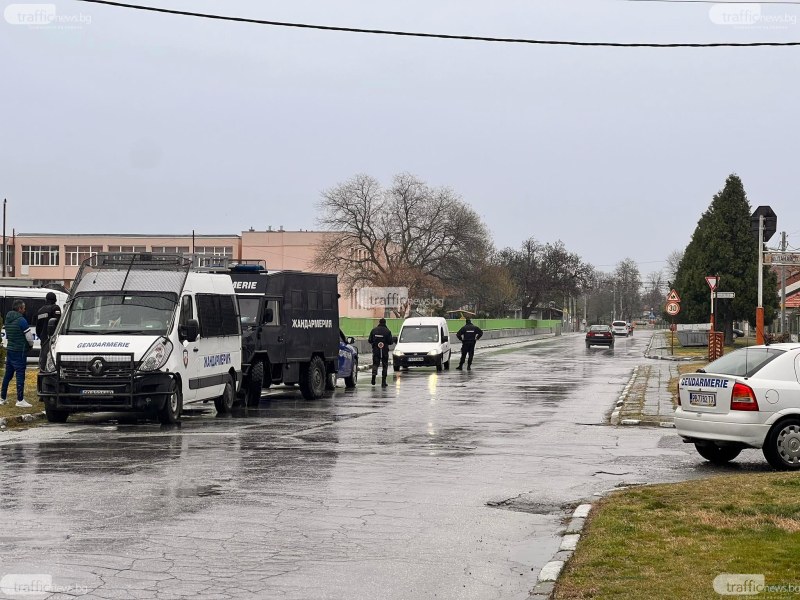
{"x": 718, "y": 455}
{"x": 439, "y": 365}
{"x": 782, "y": 446}
{"x": 170, "y": 413}
{"x": 312, "y": 379}
{"x": 224, "y": 404}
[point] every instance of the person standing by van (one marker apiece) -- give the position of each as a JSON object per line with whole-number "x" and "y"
{"x": 51, "y": 310}
{"x": 468, "y": 334}
{"x": 20, "y": 341}
{"x": 380, "y": 338}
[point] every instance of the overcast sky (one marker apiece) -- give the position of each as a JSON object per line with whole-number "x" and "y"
{"x": 136, "y": 122}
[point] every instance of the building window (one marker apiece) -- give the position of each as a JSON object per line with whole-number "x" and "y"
{"x": 170, "y": 250}
{"x": 127, "y": 248}
{"x": 226, "y": 251}
{"x": 40, "y": 256}
{"x": 75, "y": 255}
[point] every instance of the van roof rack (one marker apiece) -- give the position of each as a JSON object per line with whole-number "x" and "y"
{"x": 123, "y": 271}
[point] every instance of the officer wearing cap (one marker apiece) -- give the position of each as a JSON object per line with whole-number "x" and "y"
{"x": 380, "y": 338}
{"x": 51, "y": 310}
{"x": 468, "y": 334}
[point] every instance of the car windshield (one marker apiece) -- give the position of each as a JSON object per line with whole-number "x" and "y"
{"x": 744, "y": 362}
{"x": 419, "y": 333}
{"x": 136, "y": 313}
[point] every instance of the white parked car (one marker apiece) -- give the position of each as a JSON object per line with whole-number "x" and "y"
{"x": 619, "y": 328}
{"x": 749, "y": 398}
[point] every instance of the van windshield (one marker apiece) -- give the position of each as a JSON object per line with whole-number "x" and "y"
{"x": 130, "y": 313}
{"x": 419, "y": 333}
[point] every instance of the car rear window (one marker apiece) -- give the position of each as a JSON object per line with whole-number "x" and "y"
{"x": 744, "y": 362}
{"x": 619, "y": 324}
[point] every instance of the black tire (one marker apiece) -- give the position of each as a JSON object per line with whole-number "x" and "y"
{"x": 447, "y": 364}
{"x": 330, "y": 381}
{"x": 312, "y": 379}
{"x": 254, "y": 384}
{"x": 224, "y": 404}
{"x": 782, "y": 445}
{"x": 718, "y": 455}
{"x": 170, "y": 413}
{"x": 588, "y": 345}
{"x": 55, "y": 415}
{"x": 439, "y": 365}
{"x": 350, "y": 382}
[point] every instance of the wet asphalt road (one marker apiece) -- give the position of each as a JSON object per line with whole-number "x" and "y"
{"x": 451, "y": 485}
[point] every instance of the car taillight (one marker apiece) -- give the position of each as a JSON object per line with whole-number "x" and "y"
{"x": 743, "y": 398}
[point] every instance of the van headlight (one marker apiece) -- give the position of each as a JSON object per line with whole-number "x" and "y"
{"x": 398, "y": 353}
{"x": 50, "y": 364}
{"x": 433, "y": 353}
{"x": 157, "y": 356}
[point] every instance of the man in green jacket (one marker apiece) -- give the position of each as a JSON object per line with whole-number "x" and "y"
{"x": 20, "y": 341}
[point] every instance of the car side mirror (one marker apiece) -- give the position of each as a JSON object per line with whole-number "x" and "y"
{"x": 351, "y": 340}
{"x": 445, "y": 338}
{"x": 394, "y": 340}
{"x": 51, "y": 327}
{"x": 268, "y": 316}
{"x": 190, "y": 331}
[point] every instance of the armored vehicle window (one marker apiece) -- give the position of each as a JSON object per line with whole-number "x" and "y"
{"x": 313, "y": 300}
{"x": 275, "y": 305}
{"x": 327, "y": 301}
{"x": 297, "y": 299}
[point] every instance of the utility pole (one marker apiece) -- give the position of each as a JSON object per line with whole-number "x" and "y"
{"x": 5, "y": 249}
{"x": 783, "y": 283}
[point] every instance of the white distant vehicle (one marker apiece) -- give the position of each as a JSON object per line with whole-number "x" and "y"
{"x": 749, "y": 398}
{"x": 34, "y": 299}
{"x": 423, "y": 342}
{"x": 619, "y": 328}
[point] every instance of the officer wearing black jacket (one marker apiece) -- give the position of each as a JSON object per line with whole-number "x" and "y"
{"x": 380, "y": 338}
{"x": 468, "y": 334}
{"x": 51, "y": 310}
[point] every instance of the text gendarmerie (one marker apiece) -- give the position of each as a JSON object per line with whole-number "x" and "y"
{"x": 312, "y": 323}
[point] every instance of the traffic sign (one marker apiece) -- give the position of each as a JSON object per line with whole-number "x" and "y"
{"x": 712, "y": 282}
{"x": 673, "y": 296}
{"x": 770, "y": 222}
{"x": 673, "y": 308}
{"x": 726, "y": 295}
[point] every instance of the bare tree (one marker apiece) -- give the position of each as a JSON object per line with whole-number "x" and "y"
{"x": 410, "y": 235}
{"x": 673, "y": 262}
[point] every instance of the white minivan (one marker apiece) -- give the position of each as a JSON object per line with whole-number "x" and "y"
{"x": 34, "y": 298}
{"x": 423, "y": 342}
{"x": 143, "y": 332}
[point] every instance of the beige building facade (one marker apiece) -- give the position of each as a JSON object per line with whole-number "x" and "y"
{"x": 45, "y": 258}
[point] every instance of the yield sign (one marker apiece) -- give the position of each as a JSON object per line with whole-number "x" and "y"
{"x": 673, "y": 296}
{"x": 712, "y": 282}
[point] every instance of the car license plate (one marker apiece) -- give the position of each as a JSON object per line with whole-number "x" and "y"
{"x": 415, "y": 359}
{"x": 698, "y": 399}
{"x": 97, "y": 392}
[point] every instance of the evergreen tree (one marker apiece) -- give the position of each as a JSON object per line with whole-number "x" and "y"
{"x": 722, "y": 244}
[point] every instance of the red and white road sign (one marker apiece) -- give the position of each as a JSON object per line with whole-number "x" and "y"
{"x": 673, "y": 308}
{"x": 673, "y": 296}
{"x": 712, "y": 282}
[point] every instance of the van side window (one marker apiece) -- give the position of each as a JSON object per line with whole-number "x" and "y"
{"x": 275, "y": 305}
{"x": 218, "y": 315}
{"x": 187, "y": 311}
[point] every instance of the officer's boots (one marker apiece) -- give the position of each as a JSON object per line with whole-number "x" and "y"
{"x": 383, "y": 382}
{"x": 373, "y": 377}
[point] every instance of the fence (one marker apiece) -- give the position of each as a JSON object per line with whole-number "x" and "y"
{"x": 360, "y": 327}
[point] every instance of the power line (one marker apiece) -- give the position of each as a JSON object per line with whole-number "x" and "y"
{"x": 442, "y": 36}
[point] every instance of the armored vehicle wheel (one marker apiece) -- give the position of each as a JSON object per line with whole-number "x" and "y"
{"x": 56, "y": 416}
{"x": 312, "y": 379}
{"x": 253, "y": 385}
{"x": 173, "y": 406}
{"x": 224, "y": 403}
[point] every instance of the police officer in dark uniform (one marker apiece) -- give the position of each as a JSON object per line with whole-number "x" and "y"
{"x": 468, "y": 334}
{"x": 380, "y": 338}
{"x": 51, "y": 310}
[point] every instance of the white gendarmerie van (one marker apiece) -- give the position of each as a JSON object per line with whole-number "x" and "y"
{"x": 34, "y": 299}
{"x": 423, "y": 342}
{"x": 143, "y": 332}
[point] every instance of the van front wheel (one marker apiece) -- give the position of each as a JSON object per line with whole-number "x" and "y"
{"x": 170, "y": 413}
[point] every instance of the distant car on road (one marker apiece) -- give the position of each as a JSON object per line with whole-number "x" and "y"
{"x": 749, "y": 398}
{"x": 737, "y": 333}
{"x": 348, "y": 361}
{"x": 619, "y": 328}
{"x": 600, "y": 335}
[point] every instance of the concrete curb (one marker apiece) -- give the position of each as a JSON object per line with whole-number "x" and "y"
{"x": 26, "y": 418}
{"x": 648, "y": 353}
{"x": 550, "y": 572}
